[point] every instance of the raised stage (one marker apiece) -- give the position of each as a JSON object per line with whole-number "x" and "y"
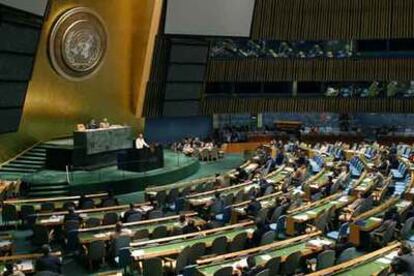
{"x": 176, "y": 167}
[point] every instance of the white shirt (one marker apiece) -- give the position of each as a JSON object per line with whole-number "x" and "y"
{"x": 140, "y": 143}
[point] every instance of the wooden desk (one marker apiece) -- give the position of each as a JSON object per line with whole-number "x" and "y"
{"x": 26, "y": 259}
{"x": 58, "y": 201}
{"x": 314, "y": 210}
{"x": 367, "y": 222}
{"x": 87, "y": 235}
{"x": 367, "y": 264}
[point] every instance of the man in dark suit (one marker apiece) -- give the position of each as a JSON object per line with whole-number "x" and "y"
{"x": 254, "y": 207}
{"x": 403, "y": 263}
{"x": 48, "y": 262}
{"x": 261, "y": 228}
{"x": 252, "y": 269}
{"x": 71, "y": 215}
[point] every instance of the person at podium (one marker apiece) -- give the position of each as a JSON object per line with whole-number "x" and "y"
{"x": 92, "y": 124}
{"x": 140, "y": 142}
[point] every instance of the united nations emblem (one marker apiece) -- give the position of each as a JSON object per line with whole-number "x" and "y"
{"x": 77, "y": 43}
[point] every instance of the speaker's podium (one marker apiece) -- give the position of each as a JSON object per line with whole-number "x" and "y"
{"x": 90, "y": 148}
{"x": 141, "y": 160}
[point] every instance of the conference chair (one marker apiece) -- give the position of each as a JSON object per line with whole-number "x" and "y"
{"x": 238, "y": 243}
{"x": 92, "y": 222}
{"x": 346, "y": 255}
{"x": 154, "y": 214}
{"x": 109, "y": 202}
{"x": 141, "y": 234}
{"x": 268, "y": 237}
{"x": 9, "y": 214}
{"x": 406, "y": 232}
{"x": 159, "y": 232}
{"x": 176, "y": 231}
{"x": 276, "y": 214}
{"x": 291, "y": 264}
{"x": 68, "y": 204}
{"x": 47, "y": 207}
{"x": 214, "y": 154}
{"x": 40, "y": 235}
{"x": 197, "y": 250}
{"x": 134, "y": 217}
{"x": 161, "y": 197}
{"x": 273, "y": 265}
{"x": 88, "y": 203}
{"x": 219, "y": 245}
{"x": 173, "y": 195}
{"x": 178, "y": 265}
{"x": 224, "y": 271}
{"x": 95, "y": 252}
{"x": 152, "y": 267}
{"x": 110, "y": 218}
{"x": 25, "y": 212}
{"x": 342, "y": 232}
{"x": 325, "y": 259}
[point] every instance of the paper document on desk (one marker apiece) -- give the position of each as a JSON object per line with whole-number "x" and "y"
{"x": 319, "y": 242}
{"x": 26, "y": 265}
{"x": 145, "y": 208}
{"x": 343, "y": 199}
{"x": 241, "y": 263}
{"x": 301, "y": 217}
{"x": 137, "y": 253}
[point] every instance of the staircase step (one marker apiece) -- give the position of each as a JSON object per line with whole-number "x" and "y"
{"x": 38, "y": 154}
{"x": 28, "y": 162}
{"x": 22, "y": 166}
{"x": 48, "y": 188}
{"x": 33, "y": 158}
{"x": 48, "y": 194}
{"x": 37, "y": 149}
{"x": 52, "y": 186}
{"x": 20, "y": 170}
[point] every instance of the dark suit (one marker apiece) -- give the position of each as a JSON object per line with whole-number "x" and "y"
{"x": 72, "y": 217}
{"x": 258, "y": 233}
{"x": 252, "y": 271}
{"x": 404, "y": 264}
{"x": 48, "y": 263}
{"x": 253, "y": 208}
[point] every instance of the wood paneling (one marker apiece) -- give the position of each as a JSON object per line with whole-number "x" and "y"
{"x": 256, "y": 105}
{"x": 333, "y": 19}
{"x": 252, "y": 70}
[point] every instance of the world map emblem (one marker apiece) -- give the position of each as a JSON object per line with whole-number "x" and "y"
{"x": 78, "y": 43}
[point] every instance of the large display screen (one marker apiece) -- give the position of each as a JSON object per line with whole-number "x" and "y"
{"x": 209, "y": 17}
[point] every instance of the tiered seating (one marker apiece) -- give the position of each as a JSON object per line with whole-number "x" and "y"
{"x": 402, "y": 185}
{"x": 300, "y": 227}
{"x": 356, "y": 167}
{"x": 400, "y": 172}
{"x": 404, "y": 151}
{"x": 370, "y": 152}
{"x": 316, "y": 163}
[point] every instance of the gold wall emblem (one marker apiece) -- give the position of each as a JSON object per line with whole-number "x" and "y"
{"x": 77, "y": 43}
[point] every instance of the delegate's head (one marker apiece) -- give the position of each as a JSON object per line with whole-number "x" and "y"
{"x": 118, "y": 227}
{"x": 45, "y": 249}
{"x": 141, "y": 135}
